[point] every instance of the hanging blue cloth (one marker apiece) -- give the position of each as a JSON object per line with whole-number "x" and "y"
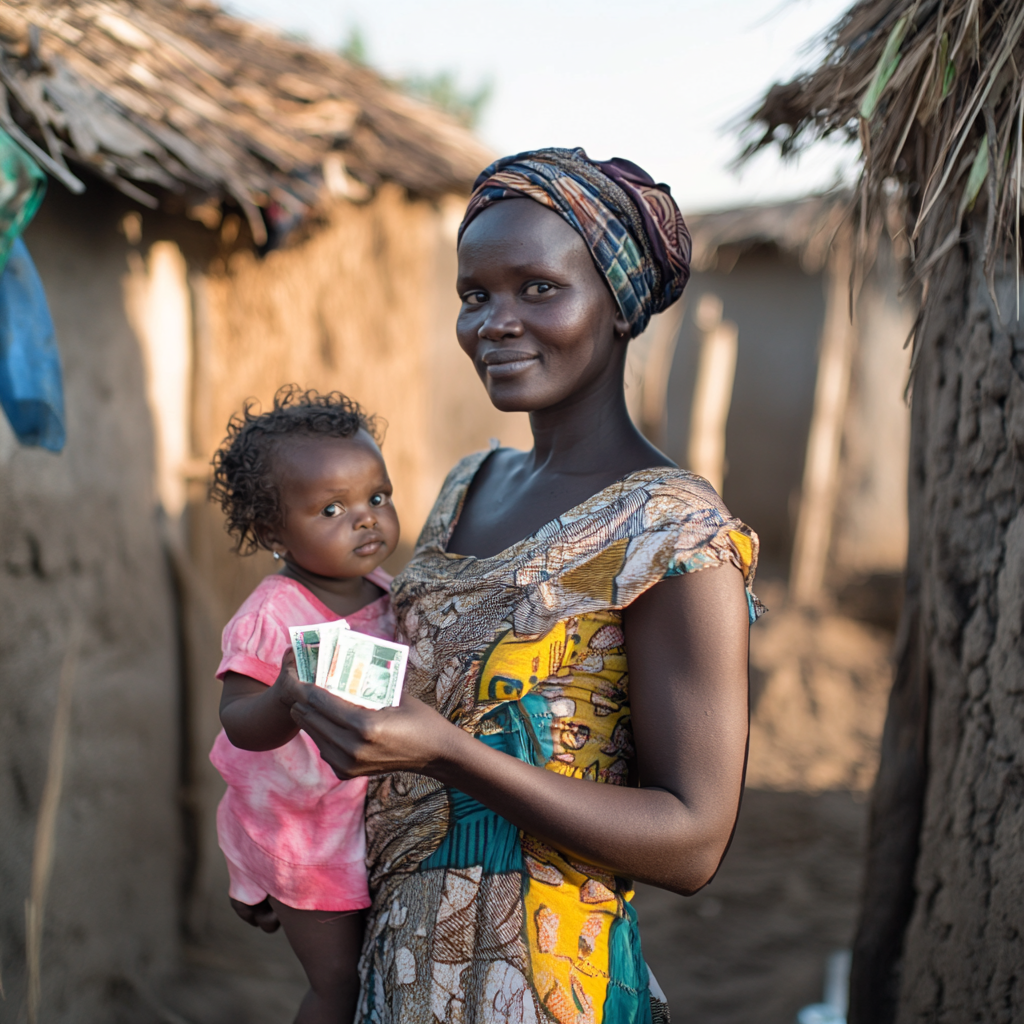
{"x": 31, "y": 387}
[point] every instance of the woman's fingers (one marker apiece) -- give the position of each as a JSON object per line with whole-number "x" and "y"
{"x": 358, "y": 741}
{"x": 338, "y": 745}
{"x": 323, "y": 727}
{"x": 342, "y": 748}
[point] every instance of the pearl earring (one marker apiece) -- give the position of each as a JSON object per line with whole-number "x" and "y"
{"x": 277, "y": 556}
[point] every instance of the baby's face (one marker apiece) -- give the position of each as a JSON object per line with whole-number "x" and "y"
{"x": 338, "y": 519}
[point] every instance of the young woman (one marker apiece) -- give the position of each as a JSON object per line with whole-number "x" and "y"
{"x": 576, "y": 703}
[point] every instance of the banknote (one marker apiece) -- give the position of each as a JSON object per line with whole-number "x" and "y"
{"x": 329, "y": 632}
{"x": 306, "y": 644}
{"x": 366, "y": 670}
{"x": 360, "y": 668}
{"x": 313, "y": 646}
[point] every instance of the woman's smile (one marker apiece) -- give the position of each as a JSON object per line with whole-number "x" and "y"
{"x": 502, "y": 363}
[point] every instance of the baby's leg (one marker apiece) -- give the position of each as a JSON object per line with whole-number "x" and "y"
{"x": 327, "y": 944}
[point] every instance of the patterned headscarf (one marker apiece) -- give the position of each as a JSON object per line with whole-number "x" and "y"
{"x": 631, "y": 225}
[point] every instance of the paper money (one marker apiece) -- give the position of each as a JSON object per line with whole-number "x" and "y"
{"x": 329, "y": 632}
{"x": 306, "y": 644}
{"x": 358, "y": 667}
{"x": 366, "y": 670}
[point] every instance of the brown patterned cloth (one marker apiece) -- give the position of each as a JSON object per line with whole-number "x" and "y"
{"x": 474, "y": 922}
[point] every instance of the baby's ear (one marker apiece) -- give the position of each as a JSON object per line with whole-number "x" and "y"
{"x": 267, "y": 537}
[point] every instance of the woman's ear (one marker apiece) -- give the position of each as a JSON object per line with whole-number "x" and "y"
{"x": 621, "y": 327}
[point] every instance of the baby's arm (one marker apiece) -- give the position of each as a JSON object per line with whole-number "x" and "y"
{"x": 256, "y": 716}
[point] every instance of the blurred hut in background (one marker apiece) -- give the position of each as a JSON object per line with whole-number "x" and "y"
{"x": 238, "y": 211}
{"x": 762, "y": 381}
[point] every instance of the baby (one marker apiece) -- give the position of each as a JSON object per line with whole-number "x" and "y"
{"x": 306, "y": 481}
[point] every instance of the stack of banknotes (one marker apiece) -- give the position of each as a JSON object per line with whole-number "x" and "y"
{"x": 360, "y": 668}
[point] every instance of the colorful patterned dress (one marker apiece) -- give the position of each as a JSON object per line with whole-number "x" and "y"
{"x": 473, "y": 921}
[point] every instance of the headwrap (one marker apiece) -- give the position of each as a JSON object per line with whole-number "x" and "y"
{"x": 632, "y": 226}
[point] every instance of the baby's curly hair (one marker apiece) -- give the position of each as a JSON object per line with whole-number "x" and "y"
{"x": 243, "y": 480}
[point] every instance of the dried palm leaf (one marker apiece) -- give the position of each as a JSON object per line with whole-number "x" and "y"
{"x": 932, "y": 91}
{"x": 181, "y": 96}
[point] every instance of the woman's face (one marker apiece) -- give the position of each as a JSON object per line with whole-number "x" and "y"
{"x": 537, "y": 318}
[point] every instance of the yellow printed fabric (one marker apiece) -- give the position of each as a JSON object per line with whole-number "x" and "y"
{"x": 474, "y": 922}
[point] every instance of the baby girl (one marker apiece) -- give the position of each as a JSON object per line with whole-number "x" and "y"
{"x": 306, "y": 481}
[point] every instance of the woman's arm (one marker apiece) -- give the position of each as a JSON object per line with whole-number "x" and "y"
{"x": 686, "y": 643}
{"x": 256, "y": 716}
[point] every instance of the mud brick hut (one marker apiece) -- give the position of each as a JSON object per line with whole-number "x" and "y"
{"x": 764, "y": 382}
{"x": 228, "y": 211}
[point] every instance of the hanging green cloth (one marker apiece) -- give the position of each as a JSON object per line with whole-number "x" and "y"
{"x": 22, "y": 187}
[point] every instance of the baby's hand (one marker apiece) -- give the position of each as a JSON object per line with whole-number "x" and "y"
{"x": 288, "y": 687}
{"x": 259, "y": 916}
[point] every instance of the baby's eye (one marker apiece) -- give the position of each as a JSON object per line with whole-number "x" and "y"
{"x": 539, "y": 288}
{"x": 378, "y": 499}
{"x": 333, "y": 510}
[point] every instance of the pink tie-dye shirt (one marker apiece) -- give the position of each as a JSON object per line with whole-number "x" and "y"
{"x": 287, "y": 825}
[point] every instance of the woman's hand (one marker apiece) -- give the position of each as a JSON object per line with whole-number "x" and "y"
{"x": 358, "y": 741}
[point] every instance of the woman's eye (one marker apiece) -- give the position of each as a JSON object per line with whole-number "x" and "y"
{"x": 474, "y": 298}
{"x": 539, "y": 288}
{"x": 333, "y": 510}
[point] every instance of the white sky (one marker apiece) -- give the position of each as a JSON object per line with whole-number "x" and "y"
{"x": 655, "y": 81}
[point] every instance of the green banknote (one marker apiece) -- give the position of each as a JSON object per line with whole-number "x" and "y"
{"x": 358, "y": 667}
{"x": 306, "y": 644}
{"x": 367, "y": 670}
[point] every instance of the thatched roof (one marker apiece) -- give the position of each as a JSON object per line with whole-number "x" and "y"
{"x": 932, "y": 90}
{"x": 804, "y": 228}
{"x": 167, "y": 98}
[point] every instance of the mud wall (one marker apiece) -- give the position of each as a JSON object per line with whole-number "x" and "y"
{"x": 779, "y": 310}
{"x": 80, "y": 539}
{"x": 166, "y": 327}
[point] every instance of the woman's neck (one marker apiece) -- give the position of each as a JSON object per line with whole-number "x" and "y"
{"x": 591, "y": 434}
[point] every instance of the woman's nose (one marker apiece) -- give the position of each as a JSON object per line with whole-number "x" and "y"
{"x": 500, "y": 322}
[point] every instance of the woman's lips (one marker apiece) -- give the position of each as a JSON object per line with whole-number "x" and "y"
{"x": 508, "y": 363}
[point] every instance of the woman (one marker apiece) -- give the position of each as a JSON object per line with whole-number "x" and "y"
{"x": 576, "y": 702}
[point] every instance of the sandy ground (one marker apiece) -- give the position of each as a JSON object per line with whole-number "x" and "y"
{"x": 749, "y": 949}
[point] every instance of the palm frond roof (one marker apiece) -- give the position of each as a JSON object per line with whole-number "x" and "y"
{"x": 177, "y": 98}
{"x": 932, "y": 90}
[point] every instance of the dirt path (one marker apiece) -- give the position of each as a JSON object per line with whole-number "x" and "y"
{"x": 751, "y": 948}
